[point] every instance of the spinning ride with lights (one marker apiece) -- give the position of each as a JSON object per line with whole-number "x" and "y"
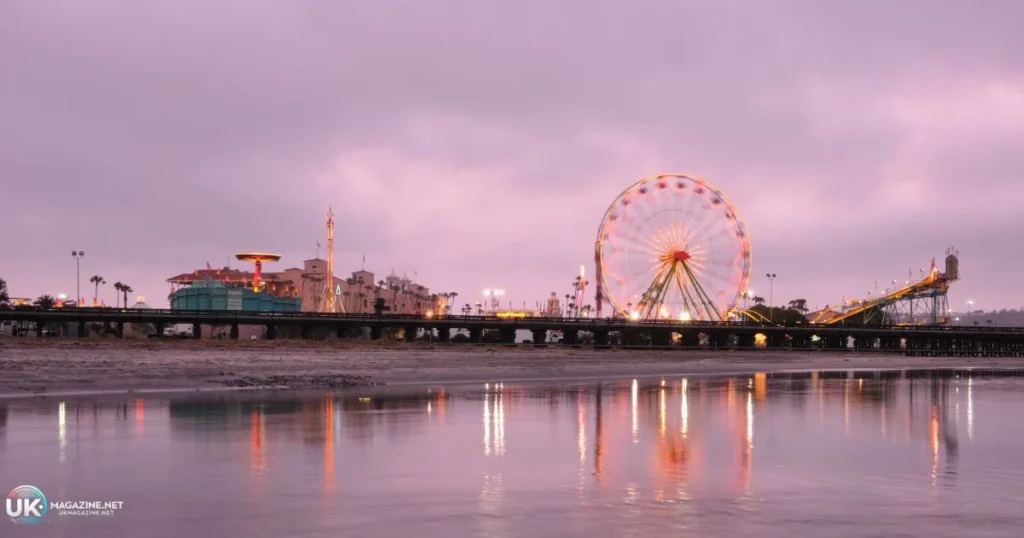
{"x": 672, "y": 246}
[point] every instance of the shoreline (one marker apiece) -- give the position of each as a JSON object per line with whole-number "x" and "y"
{"x": 105, "y": 367}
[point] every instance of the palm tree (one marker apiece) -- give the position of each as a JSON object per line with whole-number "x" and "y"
{"x": 435, "y": 302}
{"x": 126, "y": 289}
{"x": 800, "y": 305}
{"x": 4, "y": 298}
{"x": 97, "y": 280}
{"x": 758, "y": 300}
{"x": 45, "y": 301}
{"x": 349, "y": 284}
{"x": 118, "y": 287}
{"x": 454, "y": 295}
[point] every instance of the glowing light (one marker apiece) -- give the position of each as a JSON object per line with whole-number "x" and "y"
{"x": 750, "y": 420}
{"x": 634, "y": 315}
{"x": 636, "y": 426}
{"x": 512, "y": 314}
{"x": 140, "y": 414}
{"x": 684, "y": 409}
{"x": 581, "y": 437}
{"x": 661, "y": 409}
{"x": 494, "y": 424}
{"x": 970, "y": 408}
{"x": 487, "y": 425}
{"x": 685, "y": 316}
{"x": 430, "y": 313}
{"x": 62, "y": 430}
{"x": 499, "y": 426}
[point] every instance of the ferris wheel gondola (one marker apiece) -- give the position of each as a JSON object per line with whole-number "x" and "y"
{"x": 672, "y": 246}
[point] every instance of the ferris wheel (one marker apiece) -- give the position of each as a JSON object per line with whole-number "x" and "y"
{"x": 672, "y": 246}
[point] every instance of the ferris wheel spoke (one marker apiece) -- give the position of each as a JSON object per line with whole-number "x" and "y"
{"x": 635, "y": 235}
{"x": 651, "y": 247}
{"x": 689, "y": 305}
{"x": 646, "y": 270}
{"x": 705, "y": 230}
{"x": 706, "y": 300}
{"x": 713, "y": 270}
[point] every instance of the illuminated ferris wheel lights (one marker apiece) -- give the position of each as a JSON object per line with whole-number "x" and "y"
{"x": 685, "y": 316}
{"x": 700, "y": 253}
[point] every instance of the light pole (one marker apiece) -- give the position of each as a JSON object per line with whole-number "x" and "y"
{"x": 77, "y": 255}
{"x": 771, "y": 296}
{"x": 492, "y": 297}
{"x": 970, "y": 306}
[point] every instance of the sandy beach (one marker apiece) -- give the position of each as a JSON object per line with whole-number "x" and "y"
{"x": 36, "y": 367}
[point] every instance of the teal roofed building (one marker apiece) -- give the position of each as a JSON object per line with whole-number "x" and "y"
{"x": 213, "y": 295}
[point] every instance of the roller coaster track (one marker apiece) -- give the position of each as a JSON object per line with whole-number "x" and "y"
{"x": 752, "y": 315}
{"x": 934, "y": 286}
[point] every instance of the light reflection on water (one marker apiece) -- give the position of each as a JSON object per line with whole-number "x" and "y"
{"x": 762, "y": 455}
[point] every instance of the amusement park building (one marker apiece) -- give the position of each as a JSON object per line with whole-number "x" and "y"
{"x": 355, "y": 294}
{"x": 212, "y": 295}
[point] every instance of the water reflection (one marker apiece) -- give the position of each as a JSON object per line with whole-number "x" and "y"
{"x": 494, "y": 420}
{"x": 626, "y": 449}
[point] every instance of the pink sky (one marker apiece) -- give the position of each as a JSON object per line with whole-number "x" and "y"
{"x": 478, "y": 145}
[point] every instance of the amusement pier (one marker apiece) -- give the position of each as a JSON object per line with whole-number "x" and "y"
{"x": 599, "y": 333}
{"x": 672, "y": 264}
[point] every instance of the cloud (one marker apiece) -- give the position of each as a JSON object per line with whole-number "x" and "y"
{"x": 479, "y": 145}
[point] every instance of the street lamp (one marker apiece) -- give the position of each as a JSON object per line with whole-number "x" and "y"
{"x": 970, "y": 306}
{"x": 771, "y": 296}
{"x": 77, "y": 255}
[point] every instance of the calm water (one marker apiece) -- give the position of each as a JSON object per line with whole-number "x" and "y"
{"x": 746, "y": 456}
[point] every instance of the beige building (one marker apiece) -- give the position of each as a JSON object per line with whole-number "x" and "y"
{"x": 358, "y": 293}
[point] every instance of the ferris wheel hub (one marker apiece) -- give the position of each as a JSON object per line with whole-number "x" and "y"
{"x": 681, "y": 255}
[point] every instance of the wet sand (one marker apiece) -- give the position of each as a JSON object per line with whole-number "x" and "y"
{"x": 38, "y": 367}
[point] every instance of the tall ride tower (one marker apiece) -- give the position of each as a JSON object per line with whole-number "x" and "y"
{"x": 330, "y": 302}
